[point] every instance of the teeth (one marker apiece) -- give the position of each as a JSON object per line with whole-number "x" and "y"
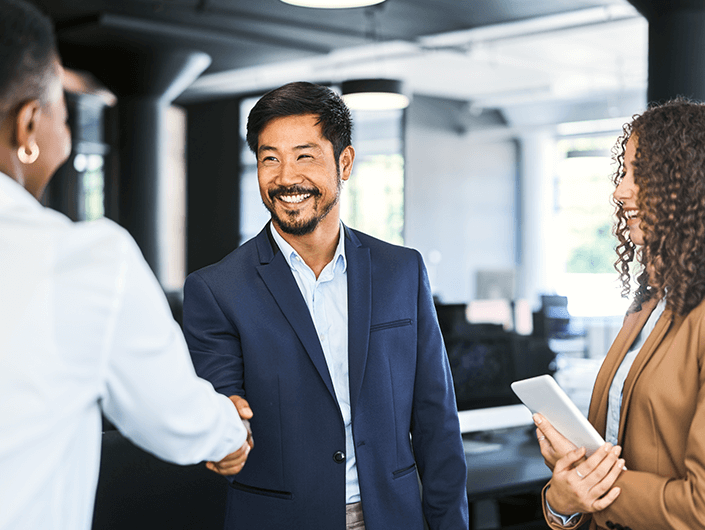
{"x": 293, "y": 199}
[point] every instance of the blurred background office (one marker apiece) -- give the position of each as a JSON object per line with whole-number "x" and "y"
{"x": 497, "y": 167}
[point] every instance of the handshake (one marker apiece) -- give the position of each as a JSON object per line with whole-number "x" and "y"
{"x": 234, "y": 462}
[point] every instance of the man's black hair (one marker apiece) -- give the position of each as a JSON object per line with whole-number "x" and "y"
{"x": 27, "y": 53}
{"x": 299, "y": 98}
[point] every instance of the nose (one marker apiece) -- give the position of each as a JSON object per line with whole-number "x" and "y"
{"x": 288, "y": 174}
{"x": 622, "y": 192}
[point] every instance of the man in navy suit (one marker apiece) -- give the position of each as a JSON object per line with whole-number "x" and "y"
{"x": 331, "y": 337}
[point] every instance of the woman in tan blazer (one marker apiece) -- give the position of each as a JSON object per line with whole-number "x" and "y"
{"x": 649, "y": 396}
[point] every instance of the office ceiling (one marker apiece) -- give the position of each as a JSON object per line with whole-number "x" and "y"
{"x": 490, "y": 53}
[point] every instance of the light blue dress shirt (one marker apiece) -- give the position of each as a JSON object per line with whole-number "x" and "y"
{"x": 327, "y": 301}
{"x": 614, "y": 404}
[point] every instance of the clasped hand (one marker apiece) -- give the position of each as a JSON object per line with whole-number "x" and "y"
{"x": 234, "y": 462}
{"x": 579, "y": 484}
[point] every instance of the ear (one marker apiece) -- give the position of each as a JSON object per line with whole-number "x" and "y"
{"x": 26, "y": 122}
{"x": 347, "y": 157}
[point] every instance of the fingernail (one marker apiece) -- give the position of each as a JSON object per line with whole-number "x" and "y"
{"x": 608, "y": 447}
{"x": 616, "y": 450}
{"x": 537, "y": 419}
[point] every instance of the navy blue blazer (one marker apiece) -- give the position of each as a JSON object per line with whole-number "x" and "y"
{"x": 250, "y": 333}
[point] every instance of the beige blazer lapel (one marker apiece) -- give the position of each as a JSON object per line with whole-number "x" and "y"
{"x": 653, "y": 343}
{"x": 633, "y": 323}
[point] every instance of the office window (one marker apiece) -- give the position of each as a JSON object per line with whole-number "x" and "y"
{"x": 92, "y": 179}
{"x": 372, "y": 199}
{"x": 583, "y": 218}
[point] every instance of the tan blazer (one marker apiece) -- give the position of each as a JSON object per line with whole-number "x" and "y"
{"x": 662, "y": 424}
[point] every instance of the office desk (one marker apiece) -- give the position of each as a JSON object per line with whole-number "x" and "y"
{"x": 511, "y": 465}
{"x": 515, "y": 466}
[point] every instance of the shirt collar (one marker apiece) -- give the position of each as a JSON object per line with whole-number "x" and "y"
{"x": 291, "y": 256}
{"x": 13, "y": 191}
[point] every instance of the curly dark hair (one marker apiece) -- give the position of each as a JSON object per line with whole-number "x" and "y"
{"x": 27, "y": 53}
{"x": 298, "y": 98}
{"x": 669, "y": 170}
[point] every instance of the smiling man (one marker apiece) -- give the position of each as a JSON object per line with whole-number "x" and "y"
{"x": 331, "y": 337}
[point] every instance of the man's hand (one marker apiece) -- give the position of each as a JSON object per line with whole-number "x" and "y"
{"x": 554, "y": 445}
{"x": 234, "y": 462}
{"x": 231, "y": 464}
{"x": 243, "y": 408}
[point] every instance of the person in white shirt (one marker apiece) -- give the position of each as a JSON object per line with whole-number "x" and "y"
{"x": 84, "y": 325}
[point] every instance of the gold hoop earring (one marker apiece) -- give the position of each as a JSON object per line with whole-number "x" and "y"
{"x": 28, "y": 157}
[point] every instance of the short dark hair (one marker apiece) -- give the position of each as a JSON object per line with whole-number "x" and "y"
{"x": 299, "y": 98}
{"x": 27, "y": 53}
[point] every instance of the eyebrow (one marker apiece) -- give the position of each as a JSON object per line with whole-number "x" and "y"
{"x": 296, "y": 148}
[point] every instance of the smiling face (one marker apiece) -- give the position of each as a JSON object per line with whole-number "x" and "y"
{"x": 299, "y": 179}
{"x": 627, "y": 192}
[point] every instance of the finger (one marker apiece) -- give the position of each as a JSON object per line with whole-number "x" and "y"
{"x": 544, "y": 425}
{"x": 599, "y": 463}
{"x": 604, "y": 485}
{"x": 543, "y": 441}
{"x": 249, "y": 439}
{"x": 571, "y": 458}
{"x": 242, "y": 406}
{"x": 549, "y": 431}
{"x": 238, "y": 455}
{"x": 604, "y": 502}
{"x": 228, "y": 470}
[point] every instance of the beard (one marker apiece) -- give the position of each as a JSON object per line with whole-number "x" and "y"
{"x": 292, "y": 222}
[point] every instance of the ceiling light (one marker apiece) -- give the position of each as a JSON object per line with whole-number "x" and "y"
{"x": 374, "y": 94}
{"x": 332, "y": 4}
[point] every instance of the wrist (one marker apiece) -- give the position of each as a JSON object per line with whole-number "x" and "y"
{"x": 554, "y": 502}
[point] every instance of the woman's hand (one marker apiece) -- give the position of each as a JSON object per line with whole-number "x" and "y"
{"x": 584, "y": 485}
{"x": 554, "y": 445}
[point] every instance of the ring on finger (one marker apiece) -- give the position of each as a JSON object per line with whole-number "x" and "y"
{"x": 579, "y": 473}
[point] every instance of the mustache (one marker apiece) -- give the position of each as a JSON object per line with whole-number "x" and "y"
{"x": 292, "y": 190}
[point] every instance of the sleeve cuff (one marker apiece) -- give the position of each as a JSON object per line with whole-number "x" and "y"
{"x": 564, "y": 520}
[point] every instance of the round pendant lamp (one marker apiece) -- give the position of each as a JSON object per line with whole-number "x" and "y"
{"x": 374, "y": 94}
{"x": 332, "y": 4}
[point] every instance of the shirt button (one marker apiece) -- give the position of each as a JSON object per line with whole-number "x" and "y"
{"x": 339, "y": 457}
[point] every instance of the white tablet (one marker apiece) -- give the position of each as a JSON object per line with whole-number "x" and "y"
{"x": 542, "y": 394}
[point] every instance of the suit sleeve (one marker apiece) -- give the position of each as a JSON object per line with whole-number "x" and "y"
{"x": 435, "y": 430}
{"x": 213, "y": 340}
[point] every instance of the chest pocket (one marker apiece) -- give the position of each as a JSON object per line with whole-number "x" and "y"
{"x": 393, "y": 324}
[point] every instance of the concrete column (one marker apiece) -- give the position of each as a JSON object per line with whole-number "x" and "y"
{"x": 146, "y": 80}
{"x": 676, "y": 43}
{"x": 537, "y": 166}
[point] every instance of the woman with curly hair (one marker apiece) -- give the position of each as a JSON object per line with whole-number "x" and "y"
{"x": 649, "y": 397}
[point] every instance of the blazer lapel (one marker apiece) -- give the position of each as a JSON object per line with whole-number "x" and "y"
{"x": 277, "y": 276}
{"x": 647, "y": 351}
{"x": 625, "y": 338}
{"x": 359, "y": 311}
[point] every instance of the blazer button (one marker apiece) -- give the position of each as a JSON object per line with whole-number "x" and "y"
{"x": 609, "y": 524}
{"x": 339, "y": 457}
